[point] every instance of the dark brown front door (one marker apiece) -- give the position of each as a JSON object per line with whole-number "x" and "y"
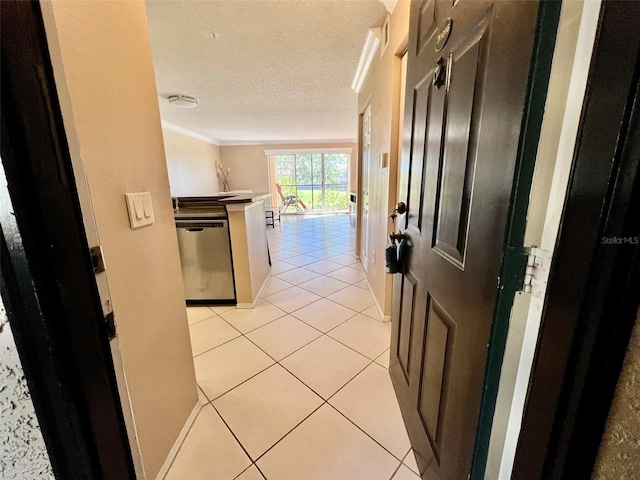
{"x": 468, "y": 63}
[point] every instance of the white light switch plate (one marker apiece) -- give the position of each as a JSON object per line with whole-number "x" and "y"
{"x": 140, "y": 209}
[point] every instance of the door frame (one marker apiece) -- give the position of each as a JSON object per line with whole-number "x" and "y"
{"x": 594, "y": 289}
{"x": 48, "y": 282}
{"x": 359, "y": 168}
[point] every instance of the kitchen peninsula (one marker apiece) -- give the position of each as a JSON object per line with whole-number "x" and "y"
{"x": 248, "y": 240}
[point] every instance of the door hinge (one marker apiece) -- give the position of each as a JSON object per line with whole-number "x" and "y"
{"x": 111, "y": 325}
{"x": 96, "y": 259}
{"x": 537, "y": 270}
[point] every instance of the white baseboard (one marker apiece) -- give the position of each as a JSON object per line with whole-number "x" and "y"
{"x": 178, "y": 443}
{"x": 375, "y": 300}
{"x": 255, "y": 300}
{"x": 264, "y": 285}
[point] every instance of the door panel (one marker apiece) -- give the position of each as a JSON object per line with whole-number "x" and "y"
{"x": 427, "y": 22}
{"x": 460, "y": 145}
{"x": 437, "y": 355}
{"x": 420, "y": 119}
{"x": 406, "y": 324}
{"x": 364, "y": 193}
{"x": 459, "y": 156}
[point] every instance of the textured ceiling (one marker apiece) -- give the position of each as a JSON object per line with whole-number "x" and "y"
{"x": 263, "y": 70}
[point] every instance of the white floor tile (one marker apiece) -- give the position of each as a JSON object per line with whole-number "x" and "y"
{"x": 324, "y": 314}
{"x": 326, "y": 446}
{"x": 370, "y": 402}
{"x": 275, "y": 285}
{"x": 357, "y": 266}
{"x": 251, "y": 473}
{"x": 209, "y": 452}
{"x": 325, "y": 365}
{"x": 383, "y": 360}
{"x": 247, "y": 319}
{"x": 364, "y": 335}
{"x": 344, "y": 259}
{"x": 347, "y": 248}
{"x": 228, "y": 365}
{"x": 264, "y": 409}
{"x": 292, "y": 299}
{"x": 404, "y": 473}
{"x": 210, "y": 333}
{"x": 372, "y": 312}
{"x": 410, "y": 461}
{"x": 280, "y": 267}
{"x": 303, "y": 249}
{"x": 362, "y": 284}
{"x": 198, "y": 314}
{"x": 221, "y": 308}
{"x": 352, "y": 297}
{"x": 298, "y": 276}
{"x": 323, "y": 266}
{"x": 283, "y": 336}
{"x": 349, "y": 275}
{"x": 323, "y": 254}
{"x": 202, "y": 397}
{"x": 301, "y": 260}
{"x": 323, "y": 285}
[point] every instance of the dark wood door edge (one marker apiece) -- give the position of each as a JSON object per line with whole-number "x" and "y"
{"x": 514, "y": 259}
{"x": 47, "y": 276}
{"x": 593, "y": 292}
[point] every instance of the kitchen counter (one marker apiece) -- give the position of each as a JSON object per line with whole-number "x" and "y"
{"x": 247, "y": 233}
{"x": 226, "y": 198}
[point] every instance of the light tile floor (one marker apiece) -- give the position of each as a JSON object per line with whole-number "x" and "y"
{"x": 298, "y": 387}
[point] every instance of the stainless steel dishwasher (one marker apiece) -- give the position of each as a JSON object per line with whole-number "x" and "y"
{"x": 205, "y": 255}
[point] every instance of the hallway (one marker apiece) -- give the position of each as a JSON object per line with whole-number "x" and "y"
{"x": 297, "y": 388}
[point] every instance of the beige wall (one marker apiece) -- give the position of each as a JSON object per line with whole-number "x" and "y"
{"x": 382, "y": 89}
{"x": 251, "y": 268}
{"x": 249, "y": 165}
{"x": 619, "y": 455}
{"x": 102, "y": 60}
{"x": 191, "y": 163}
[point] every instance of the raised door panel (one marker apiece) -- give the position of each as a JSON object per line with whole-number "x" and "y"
{"x": 455, "y": 188}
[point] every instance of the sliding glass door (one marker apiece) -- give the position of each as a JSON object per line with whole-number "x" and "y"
{"x": 319, "y": 180}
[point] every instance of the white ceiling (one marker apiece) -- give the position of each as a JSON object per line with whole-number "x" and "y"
{"x": 263, "y": 70}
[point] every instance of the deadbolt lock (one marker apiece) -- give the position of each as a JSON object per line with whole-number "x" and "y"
{"x": 439, "y": 74}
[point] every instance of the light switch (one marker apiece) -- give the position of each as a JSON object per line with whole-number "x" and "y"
{"x": 140, "y": 209}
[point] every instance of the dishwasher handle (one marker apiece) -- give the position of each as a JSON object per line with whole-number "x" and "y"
{"x": 198, "y": 226}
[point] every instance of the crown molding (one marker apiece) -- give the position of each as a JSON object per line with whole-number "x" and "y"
{"x": 302, "y": 151}
{"x": 239, "y": 143}
{"x": 189, "y": 133}
{"x": 366, "y": 57}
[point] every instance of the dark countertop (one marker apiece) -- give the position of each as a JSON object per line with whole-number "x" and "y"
{"x": 243, "y": 197}
{"x": 222, "y": 198}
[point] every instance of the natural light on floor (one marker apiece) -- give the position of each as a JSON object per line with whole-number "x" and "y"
{"x": 297, "y": 388}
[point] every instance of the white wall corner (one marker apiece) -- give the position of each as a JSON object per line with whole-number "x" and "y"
{"x": 366, "y": 57}
{"x": 390, "y": 5}
{"x": 189, "y": 133}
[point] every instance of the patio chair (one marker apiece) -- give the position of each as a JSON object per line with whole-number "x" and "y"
{"x": 290, "y": 201}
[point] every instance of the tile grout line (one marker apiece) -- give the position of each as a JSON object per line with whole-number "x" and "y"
{"x": 278, "y": 362}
